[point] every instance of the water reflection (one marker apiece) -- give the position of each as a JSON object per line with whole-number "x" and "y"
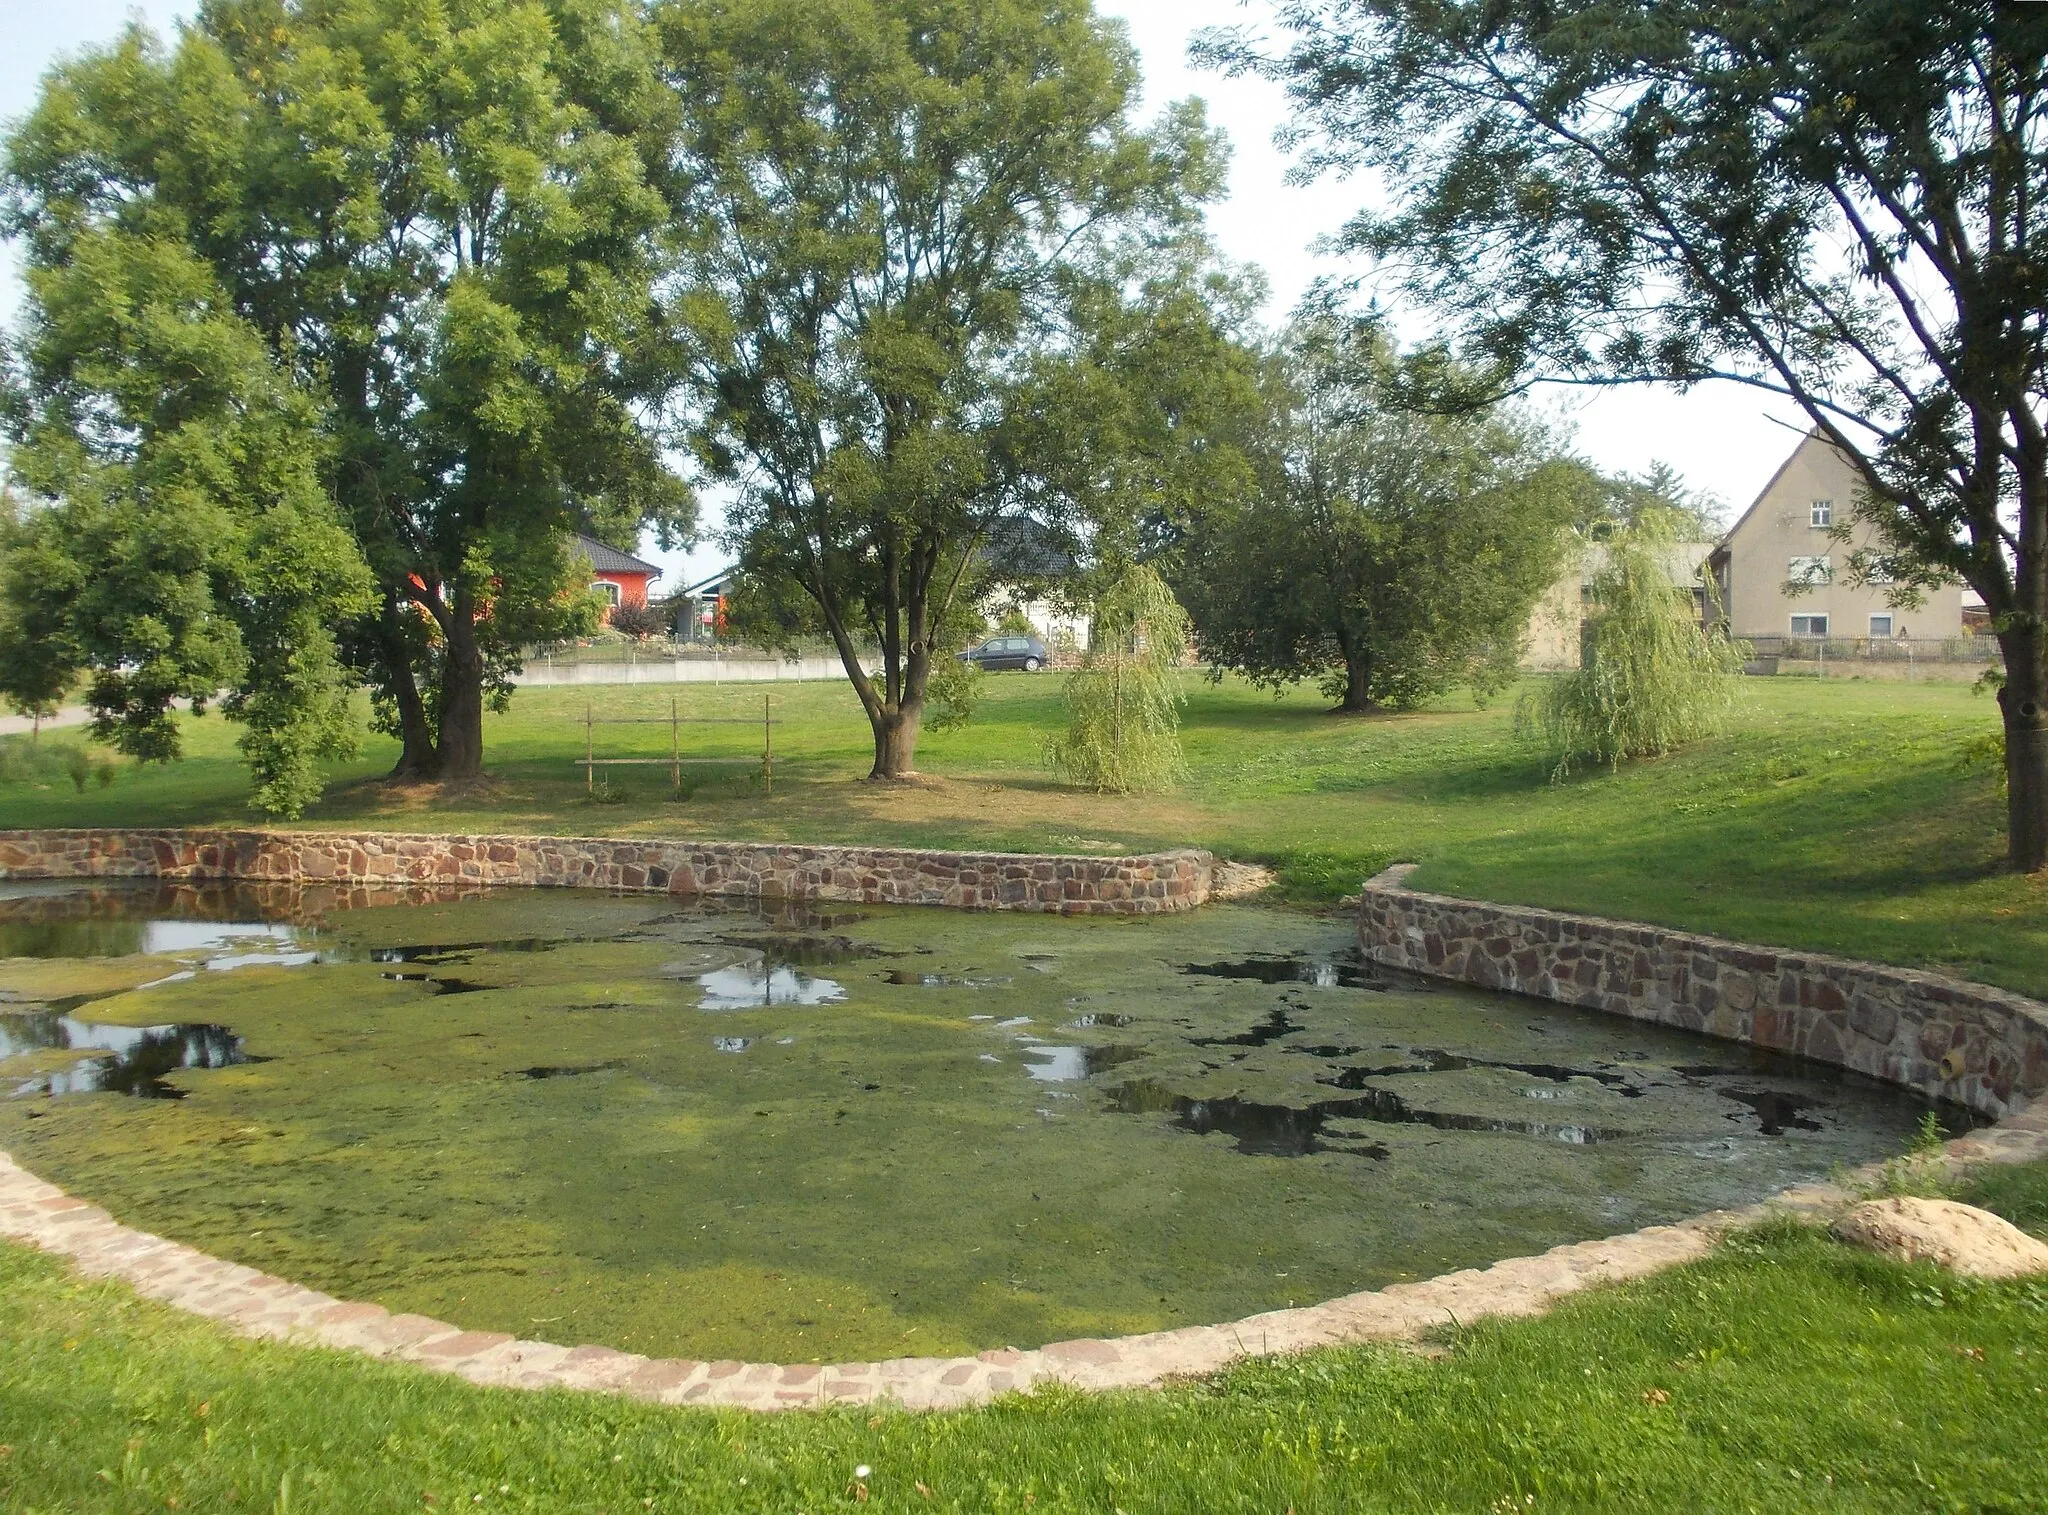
{"x": 758, "y": 985}
{"x": 139, "y": 1056}
{"x": 1064, "y": 1064}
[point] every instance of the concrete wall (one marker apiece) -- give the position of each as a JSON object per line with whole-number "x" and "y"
{"x": 1779, "y": 527}
{"x": 1982, "y": 1047}
{"x": 1143, "y": 885}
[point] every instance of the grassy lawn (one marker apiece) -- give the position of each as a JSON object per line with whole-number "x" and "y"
{"x": 1785, "y": 1373}
{"x": 1835, "y": 815}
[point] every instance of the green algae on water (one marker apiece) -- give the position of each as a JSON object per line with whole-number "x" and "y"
{"x": 701, "y": 1128}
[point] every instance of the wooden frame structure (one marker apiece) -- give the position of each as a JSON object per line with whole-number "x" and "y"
{"x": 590, "y": 762}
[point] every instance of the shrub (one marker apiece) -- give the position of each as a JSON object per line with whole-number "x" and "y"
{"x": 638, "y": 621}
{"x": 1653, "y": 678}
{"x": 1123, "y": 702}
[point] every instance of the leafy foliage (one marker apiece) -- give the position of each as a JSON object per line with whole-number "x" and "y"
{"x": 1834, "y": 203}
{"x": 1653, "y": 678}
{"x": 1123, "y": 702}
{"x": 917, "y": 212}
{"x": 637, "y": 621}
{"x": 403, "y": 255}
{"x": 1390, "y": 553}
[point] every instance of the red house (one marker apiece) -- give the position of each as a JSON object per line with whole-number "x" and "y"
{"x": 619, "y": 576}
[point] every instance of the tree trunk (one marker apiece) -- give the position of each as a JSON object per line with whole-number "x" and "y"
{"x": 462, "y": 695}
{"x": 417, "y": 758}
{"x": 896, "y": 740}
{"x": 2024, "y": 702}
{"x": 1358, "y": 684}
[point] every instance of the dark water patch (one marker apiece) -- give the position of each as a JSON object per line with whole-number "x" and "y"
{"x": 139, "y": 1060}
{"x": 1259, "y": 1130}
{"x": 1775, "y": 1110}
{"x": 450, "y": 954}
{"x": 1271, "y": 1029}
{"x": 439, "y": 983}
{"x": 1435, "y": 1060}
{"x": 1065, "y": 1064}
{"x": 756, "y": 987}
{"x": 1319, "y": 973}
{"x": 1275, "y": 1130}
{"x": 565, "y": 1070}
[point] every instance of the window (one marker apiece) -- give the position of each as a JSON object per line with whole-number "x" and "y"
{"x": 1823, "y": 513}
{"x": 1880, "y": 625}
{"x": 1809, "y": 625}
{"x": 609, "y": 590}
{"x": 1809, "y": 571}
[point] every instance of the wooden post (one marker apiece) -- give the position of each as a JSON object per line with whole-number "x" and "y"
{"x": 675, "y": 749}
{"x": 589, "y": 753}
{"x": 767, "y": 747}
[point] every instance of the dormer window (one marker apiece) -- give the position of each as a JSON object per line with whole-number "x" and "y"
{"x": 1823, "y": 513}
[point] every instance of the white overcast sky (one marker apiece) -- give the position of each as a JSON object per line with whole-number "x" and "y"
{"x": 1721, "y": 437}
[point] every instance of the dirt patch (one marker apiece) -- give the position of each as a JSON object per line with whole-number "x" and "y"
{"x": 1237, "y": 881}
{"x": 1958, "y": 1237}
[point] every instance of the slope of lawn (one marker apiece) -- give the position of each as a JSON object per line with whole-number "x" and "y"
{"x": 1785, "y": 1373}
{"x": 1840, "y": 815}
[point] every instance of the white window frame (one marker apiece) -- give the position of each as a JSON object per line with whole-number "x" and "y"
{"x": 1889, "y": 624}
{"x": 1810, "y": 617}
{"x": 1810, "y": 571}
{"x": 609, "y": 590}
{"x": 1821, "y": 514}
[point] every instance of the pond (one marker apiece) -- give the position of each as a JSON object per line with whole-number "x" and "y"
{"x": 710, "y": 1129}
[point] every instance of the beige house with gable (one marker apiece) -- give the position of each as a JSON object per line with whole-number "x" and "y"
{"x": 1784, "y": 538}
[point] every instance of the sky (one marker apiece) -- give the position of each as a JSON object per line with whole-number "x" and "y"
{"x": 1722, "y": 438}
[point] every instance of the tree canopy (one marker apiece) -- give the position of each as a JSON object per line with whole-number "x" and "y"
{"x": 417, "y": 244}
{"x": 1829, "y": 202}
{"x": 914, "y": 217}
{"x": 1391, "y": 553}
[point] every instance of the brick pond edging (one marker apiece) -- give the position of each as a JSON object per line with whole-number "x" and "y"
{"x": 256, "y": 1304}
{"x": 1979, "y": 1046}
{"x": 1150, "y": 884}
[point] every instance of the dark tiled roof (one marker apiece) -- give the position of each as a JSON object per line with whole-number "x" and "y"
{"x": 1018, "y": 547}
{"x": 604, "y": 559}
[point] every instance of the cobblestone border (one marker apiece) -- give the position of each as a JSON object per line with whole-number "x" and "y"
{"x": 1144, "y": 884}
{"x": 256, "y": 1304}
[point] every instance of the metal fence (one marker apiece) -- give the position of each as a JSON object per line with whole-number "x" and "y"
{"x": 1953, "y": 656}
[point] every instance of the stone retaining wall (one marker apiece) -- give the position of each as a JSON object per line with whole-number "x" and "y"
{"x": 1982, "y": 1047}
{"x": 1145, "y": 885}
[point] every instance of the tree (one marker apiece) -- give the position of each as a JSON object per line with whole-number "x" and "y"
{"x": 1653, "y": 678}
{"x": 439, "y": 223}
{"x": 911, "y": 206}
{"x": 1123, "y": 702}
{"x": 1390, "y": 553}
{"x": 1833, "y": 203}
{"x": 190, "y": 548}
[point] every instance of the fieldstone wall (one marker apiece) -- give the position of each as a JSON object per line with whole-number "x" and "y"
{"x": 1982, "y": 1047}
{"x": 1144, "y": 885}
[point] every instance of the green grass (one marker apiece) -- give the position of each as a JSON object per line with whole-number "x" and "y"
{"x": 1785, "y": 1373}
{"x": 1835, "y": 815}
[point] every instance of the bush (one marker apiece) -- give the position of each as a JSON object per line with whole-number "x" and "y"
{"x": 638, "y": 621}
{"x": 1123, "y": 702}
{"x": 1653, "y": 678}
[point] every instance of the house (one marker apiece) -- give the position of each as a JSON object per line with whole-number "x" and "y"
{"x": 700, "y": 607}
{"x": 619, "y": 576}
{"x": 1785, "y": 539}
{"x": 1025, "y": 562}
{"x": 1557, "y": 626}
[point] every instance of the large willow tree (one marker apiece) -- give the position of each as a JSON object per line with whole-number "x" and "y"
{"x": 906, "y": 210}
{"x": 415, "y": 244}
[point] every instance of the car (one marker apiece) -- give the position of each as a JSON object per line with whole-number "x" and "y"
{"x": 1007, "y": 652}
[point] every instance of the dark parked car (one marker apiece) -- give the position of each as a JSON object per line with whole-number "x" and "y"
{"x": 1000, "y": 653}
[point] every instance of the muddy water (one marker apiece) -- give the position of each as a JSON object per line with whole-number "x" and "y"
{"x": 714, "y": 1131}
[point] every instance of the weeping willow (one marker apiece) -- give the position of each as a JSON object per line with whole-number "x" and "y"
{"x": 1651, "y": 679}
{"x": 1123, "y": 702}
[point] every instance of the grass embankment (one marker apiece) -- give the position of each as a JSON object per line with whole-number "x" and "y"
{"x": 1785, "y": 1373}
{"x": 1835, "y": 815}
